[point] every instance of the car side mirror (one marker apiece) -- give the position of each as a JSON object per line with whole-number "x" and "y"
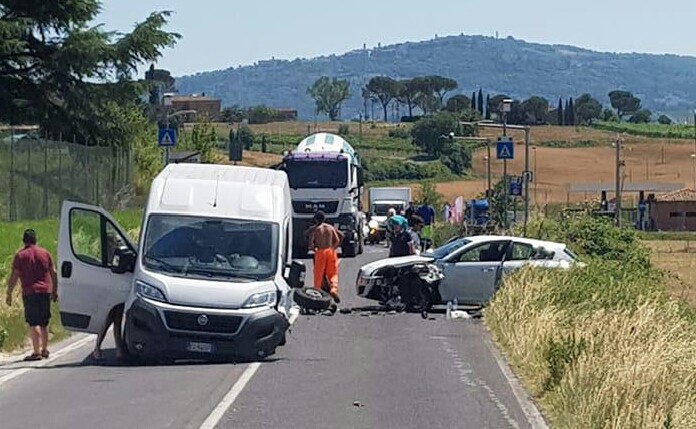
{"x": 123, "y": 261}
{"x": 295, "y": 277}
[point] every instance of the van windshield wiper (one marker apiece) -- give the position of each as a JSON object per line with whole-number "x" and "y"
{"x": 164, "y": 264}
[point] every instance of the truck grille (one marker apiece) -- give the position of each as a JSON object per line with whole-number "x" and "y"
{"x": 314, "y": 206}
{"x": 191, "y": 322}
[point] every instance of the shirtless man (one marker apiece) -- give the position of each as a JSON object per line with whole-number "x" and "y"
{"x": 324, "y": 239}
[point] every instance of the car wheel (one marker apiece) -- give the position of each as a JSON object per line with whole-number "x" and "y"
{"x": 312, "y": 299}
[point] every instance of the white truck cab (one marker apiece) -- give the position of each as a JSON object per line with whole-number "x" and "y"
{"x": 208, "y": 275}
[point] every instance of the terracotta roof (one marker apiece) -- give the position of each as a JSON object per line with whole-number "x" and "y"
{"x": 681, "y": 195}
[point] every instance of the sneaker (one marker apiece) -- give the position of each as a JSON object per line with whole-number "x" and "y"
{"x": 45, "y": 354}
{"x": 33, "y": 357}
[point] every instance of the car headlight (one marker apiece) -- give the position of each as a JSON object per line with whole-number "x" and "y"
{"x": 264, "y": 299}
{"x": 149, "y": 291}
{"x": 374, "y": 224}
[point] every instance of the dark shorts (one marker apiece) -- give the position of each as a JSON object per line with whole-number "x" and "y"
{"x": 37, "y": 309}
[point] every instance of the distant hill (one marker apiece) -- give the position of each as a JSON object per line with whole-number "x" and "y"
{"x": 514, "y": 67}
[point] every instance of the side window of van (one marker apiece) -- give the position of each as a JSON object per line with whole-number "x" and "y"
{"x": 94, "y": 239}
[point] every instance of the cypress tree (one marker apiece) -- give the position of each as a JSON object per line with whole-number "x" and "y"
{"x": 488, "y": 106}
{"x": 571, "y": 112}
{"x": 560, "y": 111}
{"x": 565, "y": 113}
{"x": 480, "y": 102}
{"x": 473, "y": 100}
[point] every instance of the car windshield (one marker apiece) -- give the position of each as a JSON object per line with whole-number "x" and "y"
{"x": 317, "y": 174}
{"x": 449, "y": 247}
{"x": 212, "y": 248}
{"x": 382, "y": 209}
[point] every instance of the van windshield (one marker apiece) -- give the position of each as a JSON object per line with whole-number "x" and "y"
{"x": 212, "y": 248}
{"x": 382, "y": 209}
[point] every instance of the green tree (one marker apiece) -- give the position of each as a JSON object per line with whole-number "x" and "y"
{"x": 495, "y": 104}
{"x": 535, "y": 110}
{"x": 329, "y": 94}
{"x": 480, "y": 102}
{"x": 643, "y": 116}
{"x": 610, "y": 116}
{"x": 440, "y": 86}
{"x": 488, "y": 103}
{"x": 664, "y": 120}
{"x": 63, "y": 73}
{"x": 561, "y": 116}
{"x": 383, "y": 89}
{"x": 458, "y": 103}
{"x": 587, "y": 108}
{"x": 473, "y": 101}
{"x": 624, "y": 102}
{"x": 407, "y": 94}
{"x": 431, "y": 132}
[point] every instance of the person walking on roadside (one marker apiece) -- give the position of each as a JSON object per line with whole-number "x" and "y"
{"x": 415, "y": 230}
{"x": 427, "y": 213}
{"x": 324, "y": 239}
{"x": 402, "y": 242}
{"x": 33, "y": 267}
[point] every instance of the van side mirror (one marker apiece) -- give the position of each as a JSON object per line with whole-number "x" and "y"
{"x": 123, "y": 261}
{"x": 295, "y": 277}
{"x": 361, "y": 179}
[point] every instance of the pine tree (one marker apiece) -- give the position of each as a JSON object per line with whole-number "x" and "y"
{"x": 560, "y": 112}
{"x": 473, "y": 100}
{"x": 480, "y": 101}
{"x": 488, "y": 106}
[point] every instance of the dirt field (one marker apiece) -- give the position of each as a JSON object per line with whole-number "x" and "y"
{"x": 678, "y": 257}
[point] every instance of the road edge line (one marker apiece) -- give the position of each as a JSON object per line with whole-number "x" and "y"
{"x": 74, "y": 345}
{"x": 530, "y": 410}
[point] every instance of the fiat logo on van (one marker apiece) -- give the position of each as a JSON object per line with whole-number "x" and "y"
{"x": 202, "y": 320}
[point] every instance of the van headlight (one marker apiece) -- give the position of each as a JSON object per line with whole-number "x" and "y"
{"x": 148, "y": 291}
{"x": 264, "y": 299}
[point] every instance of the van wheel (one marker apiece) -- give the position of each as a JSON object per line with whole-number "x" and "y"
{"x": 312, "y": 299}
{"x": 361, "y": 246}
{"x": 349, "y": 251}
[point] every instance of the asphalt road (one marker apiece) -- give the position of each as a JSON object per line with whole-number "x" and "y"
{"x": 358, "y": 370}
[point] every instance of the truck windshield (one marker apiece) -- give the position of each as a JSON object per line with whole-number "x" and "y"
{"x": 211, "y": 248}
{"x": 317, "y": 174}
{"x": 382, "y": 209}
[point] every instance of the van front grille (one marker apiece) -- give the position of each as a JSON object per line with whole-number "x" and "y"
{"x": 201, "y": 322}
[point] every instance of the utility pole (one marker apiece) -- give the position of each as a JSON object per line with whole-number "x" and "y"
{"x": 488, "y": 168}
{"x": 526, "y": 179}
{"x": 617, "y": 206}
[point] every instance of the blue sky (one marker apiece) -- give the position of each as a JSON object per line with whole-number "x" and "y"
{"x": 221, "y": 33}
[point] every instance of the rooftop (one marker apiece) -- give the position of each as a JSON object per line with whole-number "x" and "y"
{"x": 680, "y": 195}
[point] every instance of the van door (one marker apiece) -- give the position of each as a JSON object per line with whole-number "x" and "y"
{"x": 88, "y": 289}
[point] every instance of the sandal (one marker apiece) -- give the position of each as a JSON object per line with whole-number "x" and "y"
{"x": 33, "y": 357}
{"x": 45, "y": 354}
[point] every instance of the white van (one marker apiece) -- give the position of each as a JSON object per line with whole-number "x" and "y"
{"x": 208, "y": 278}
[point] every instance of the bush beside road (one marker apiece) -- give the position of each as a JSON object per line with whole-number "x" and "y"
{"x": 600, "y": 346}
{"x": 12, "y": 326}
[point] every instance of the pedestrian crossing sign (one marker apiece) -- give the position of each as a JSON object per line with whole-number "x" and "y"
{"x": 505, "y": 149}
{"x": 166, "y": 137}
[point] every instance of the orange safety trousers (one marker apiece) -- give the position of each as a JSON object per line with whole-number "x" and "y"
{"x": 326, "y": 266}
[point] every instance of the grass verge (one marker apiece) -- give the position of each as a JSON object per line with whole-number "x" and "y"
{"x": 602, "y": 346}
{"x": 12, "y": 326}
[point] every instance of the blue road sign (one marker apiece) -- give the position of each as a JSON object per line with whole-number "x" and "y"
{"x": 515, "y": 188}
{"x": 166, "y": 137}
{"x": 504, "y": 149}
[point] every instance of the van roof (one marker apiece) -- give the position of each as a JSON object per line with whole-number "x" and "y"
{"x": 220, "y": 191}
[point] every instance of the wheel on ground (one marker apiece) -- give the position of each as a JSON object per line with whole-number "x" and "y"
{"x": 361, "y": 246}
{"x": 312, "y": 299}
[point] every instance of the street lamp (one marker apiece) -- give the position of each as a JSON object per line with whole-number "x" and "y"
{"x": 536, "y": 179}
{"x": 506, "y": 107}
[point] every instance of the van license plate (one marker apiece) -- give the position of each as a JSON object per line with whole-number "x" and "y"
{"x": 200, "y": 347}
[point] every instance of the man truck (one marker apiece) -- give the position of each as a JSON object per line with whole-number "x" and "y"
{"x": 325, "y": 174}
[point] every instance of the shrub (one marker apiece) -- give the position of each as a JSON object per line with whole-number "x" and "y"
{"x": 400, "y": 133}
{"x": 344, "y": 130}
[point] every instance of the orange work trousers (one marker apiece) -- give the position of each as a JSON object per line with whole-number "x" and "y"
{"x": 326, "y": 266}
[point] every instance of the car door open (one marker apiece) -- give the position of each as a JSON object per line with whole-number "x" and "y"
{"x": 95, "y": 266}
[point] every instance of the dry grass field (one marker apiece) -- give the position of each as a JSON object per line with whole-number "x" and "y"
{"x": 679, "y": 258}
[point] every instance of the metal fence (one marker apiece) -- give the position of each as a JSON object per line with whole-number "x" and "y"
{"x": 36, "y": 175}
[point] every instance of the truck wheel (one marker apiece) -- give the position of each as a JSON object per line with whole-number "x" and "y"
{"x": 312, "y": 299}
{"x": 349, "y": 251}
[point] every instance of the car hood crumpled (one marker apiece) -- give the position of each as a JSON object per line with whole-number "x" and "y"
{"x": 399, "y": 262}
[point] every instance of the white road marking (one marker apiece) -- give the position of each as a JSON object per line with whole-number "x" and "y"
{"x": 530, "y": 410}
{"x": 216, "y": 415}
{"x": 65, "y": 350}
